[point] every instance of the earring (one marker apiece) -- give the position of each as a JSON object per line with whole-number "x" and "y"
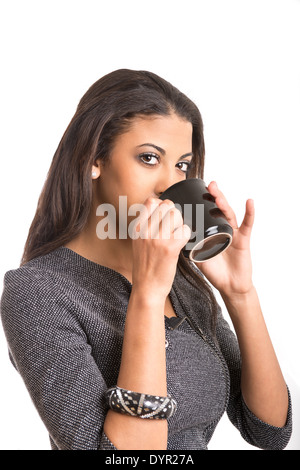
{"x": 94, "y": 174}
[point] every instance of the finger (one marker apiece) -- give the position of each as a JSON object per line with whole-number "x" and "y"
{"x": 248, "y": 221}
{"x": 154, "y": 209}
{"x": 222, "y": 204}
{"x": 148, "y": 207}
{"x": 182, "y": 234}
{"x": 164, "y": 220}
{"x": 171, "y": 221}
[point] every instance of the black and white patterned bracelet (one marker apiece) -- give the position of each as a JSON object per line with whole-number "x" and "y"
{"x": 140, "y": 405}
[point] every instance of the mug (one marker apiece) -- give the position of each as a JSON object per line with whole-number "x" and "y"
{"x": 211, "y": 233}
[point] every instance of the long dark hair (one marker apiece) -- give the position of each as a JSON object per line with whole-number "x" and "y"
{"x": 104, "y": 112}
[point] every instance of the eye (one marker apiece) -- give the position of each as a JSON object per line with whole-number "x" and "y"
{"x": 148, "y": 158}
{"x": 185, "y": 169}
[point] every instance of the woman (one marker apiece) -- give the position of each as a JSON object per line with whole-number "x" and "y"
{"x": 99, "y": 326}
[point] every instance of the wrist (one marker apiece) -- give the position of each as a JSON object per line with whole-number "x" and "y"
{"x": 241, "y": 305}
{"x": 147, "y": 298}
{"x": 236, "y": 297}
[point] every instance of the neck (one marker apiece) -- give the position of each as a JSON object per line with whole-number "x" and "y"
{"x": 113, "y": 253}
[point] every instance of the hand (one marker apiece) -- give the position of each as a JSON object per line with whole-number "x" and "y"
{"x": 231, "y": 271}
{"x": 157, "y": 246}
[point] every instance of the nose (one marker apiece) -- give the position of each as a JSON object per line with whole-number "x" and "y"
{"x": 164, "y": 182}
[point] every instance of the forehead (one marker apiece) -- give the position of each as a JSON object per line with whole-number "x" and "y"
{"x": 161, "y": 130}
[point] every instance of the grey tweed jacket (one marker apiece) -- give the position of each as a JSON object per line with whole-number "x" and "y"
{"x": 64, "y": 317}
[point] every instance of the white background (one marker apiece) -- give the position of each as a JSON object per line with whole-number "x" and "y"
{"x": 238, "y": 60}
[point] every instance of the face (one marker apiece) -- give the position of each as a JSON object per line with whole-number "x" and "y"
{"x": 154, "y": 154}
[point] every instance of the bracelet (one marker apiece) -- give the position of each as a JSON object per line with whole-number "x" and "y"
{"x": 140, "y": 405}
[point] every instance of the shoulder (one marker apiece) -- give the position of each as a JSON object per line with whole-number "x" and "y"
{"x": 25, "y": 276}
{"x": 39, "y": 281}
{"x": 28, "y": 283}
{"x": 32, "y": 300}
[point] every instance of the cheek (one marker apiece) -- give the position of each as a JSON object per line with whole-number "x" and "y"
{"x": 115, "y": 184}
{"x": 124, "y": 177}
{"x": 132, "y": 183}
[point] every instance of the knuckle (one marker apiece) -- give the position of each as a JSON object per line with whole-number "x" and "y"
{"x": 152, "y": 202}
{"x": 167, "y": 249}
{"x": 168, "y": 203}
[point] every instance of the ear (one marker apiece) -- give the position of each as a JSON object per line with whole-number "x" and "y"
{"x": 96, "y": 170}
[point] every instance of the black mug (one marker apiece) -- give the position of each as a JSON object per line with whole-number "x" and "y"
{"x": 211, "y": 233}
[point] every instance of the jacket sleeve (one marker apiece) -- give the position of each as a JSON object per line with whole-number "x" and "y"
{"x": 252, "y": 429}
{"x": 50, "y": 350}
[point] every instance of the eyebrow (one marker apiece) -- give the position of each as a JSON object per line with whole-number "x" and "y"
{"x": 163, "y": 152}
